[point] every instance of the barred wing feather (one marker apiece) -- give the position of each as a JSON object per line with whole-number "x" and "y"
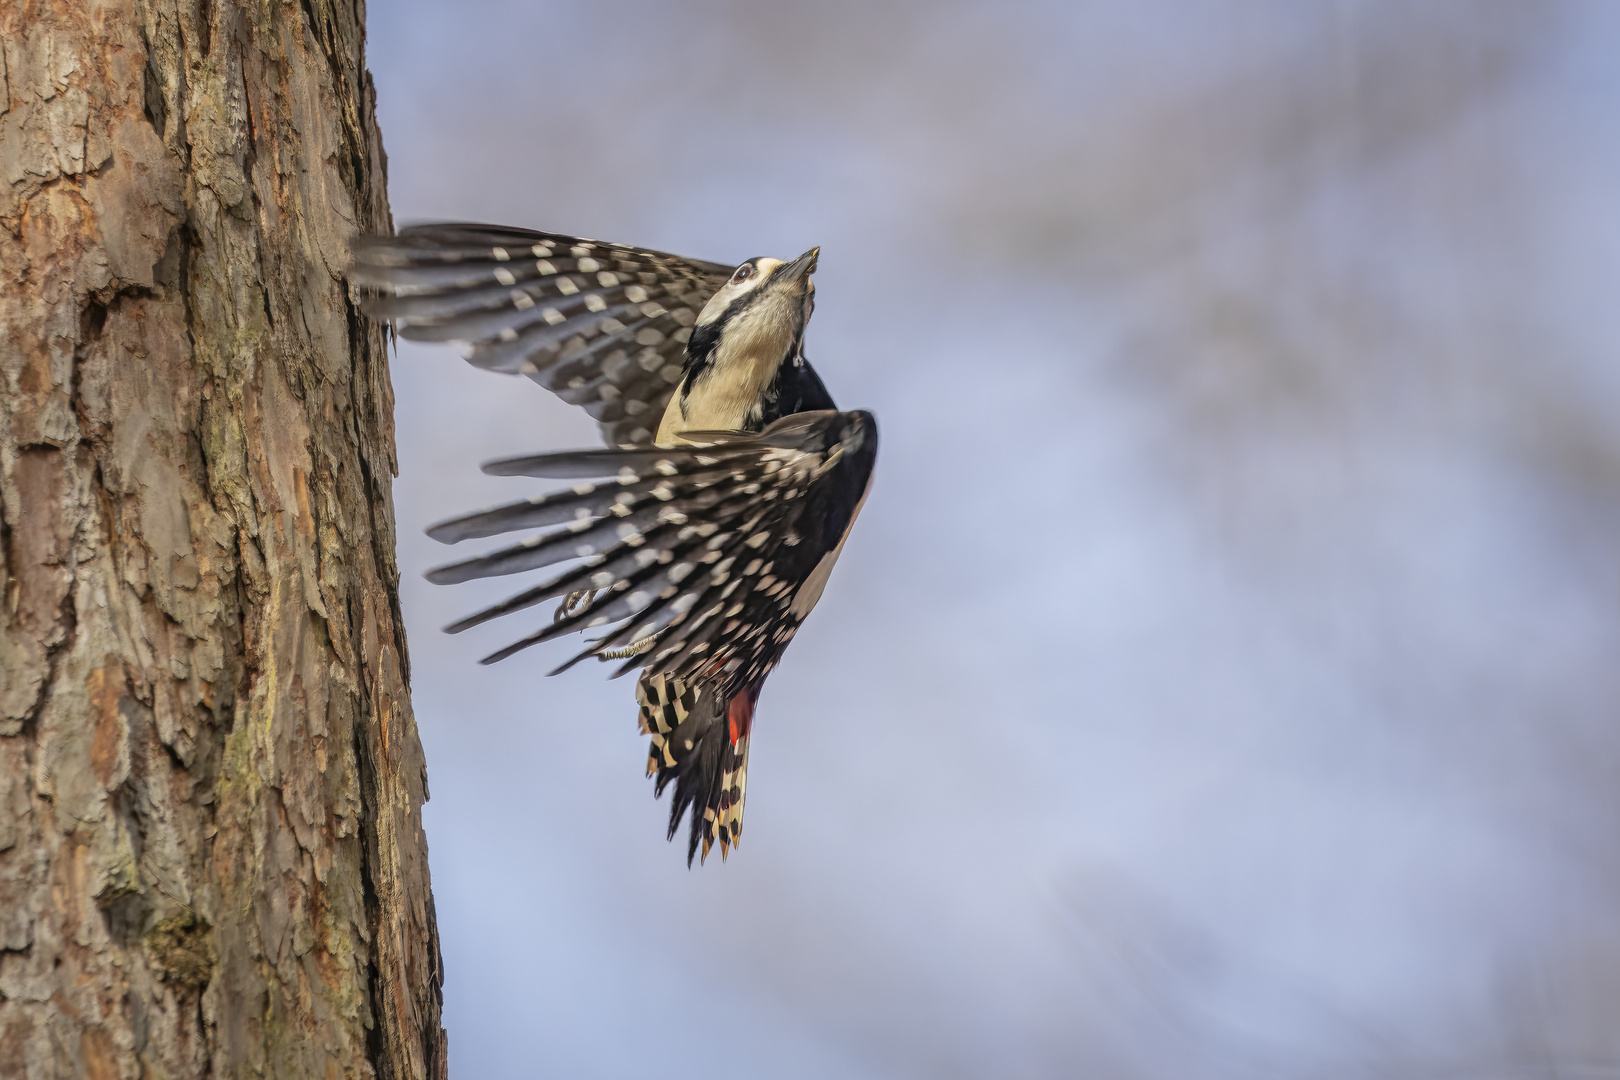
{"x": 604, "y": 326}
{"x": 697, "y": 554}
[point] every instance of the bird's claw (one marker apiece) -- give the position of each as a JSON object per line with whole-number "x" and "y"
{"x": 629, "y": 650}
{"x": 573, "y": 603}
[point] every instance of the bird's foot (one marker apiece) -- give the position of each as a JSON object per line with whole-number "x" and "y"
{"x": 573, "y": 603}
{"x": 628, "y": 650}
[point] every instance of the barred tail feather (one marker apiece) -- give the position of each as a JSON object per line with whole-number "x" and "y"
{"x": 700, "y": 743}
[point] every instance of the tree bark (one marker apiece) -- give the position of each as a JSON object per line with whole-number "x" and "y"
{"x": 211, "y": 852}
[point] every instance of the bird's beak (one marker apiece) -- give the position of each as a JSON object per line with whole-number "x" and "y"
{"x": 802, "y": 267}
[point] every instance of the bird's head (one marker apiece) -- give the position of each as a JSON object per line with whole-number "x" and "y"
{"x": 758, "y": 316}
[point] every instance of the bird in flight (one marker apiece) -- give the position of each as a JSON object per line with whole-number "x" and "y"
{"x": 702, "y": 537}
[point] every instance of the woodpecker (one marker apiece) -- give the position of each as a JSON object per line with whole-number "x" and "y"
{"x": 703, "y": 536}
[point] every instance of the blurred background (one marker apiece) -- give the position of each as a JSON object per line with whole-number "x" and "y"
{"x": 1222, "y": 680}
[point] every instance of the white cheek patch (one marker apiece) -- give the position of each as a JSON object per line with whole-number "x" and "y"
{"x": 717, "y": 303}
{"x": 733, "y": 289}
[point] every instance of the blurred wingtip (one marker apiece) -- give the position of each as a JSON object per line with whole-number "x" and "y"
{"x": 444, "y": 532}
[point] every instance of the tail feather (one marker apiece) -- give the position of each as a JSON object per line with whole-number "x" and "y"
{"x": 700, "y": 743}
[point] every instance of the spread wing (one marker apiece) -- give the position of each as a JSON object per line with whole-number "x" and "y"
{"x": 602, "y": 325}
{"x": 705, "y": 559}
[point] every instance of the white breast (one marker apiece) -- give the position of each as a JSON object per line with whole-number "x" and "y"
{"x": 727, "y": 394}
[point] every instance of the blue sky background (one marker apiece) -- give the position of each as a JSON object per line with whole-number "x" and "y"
{"x": 1221, "y": 681}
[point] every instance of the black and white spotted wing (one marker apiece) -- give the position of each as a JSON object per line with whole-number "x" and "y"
{"x": 705, "y": 559}
{"x": 602, "y": 325}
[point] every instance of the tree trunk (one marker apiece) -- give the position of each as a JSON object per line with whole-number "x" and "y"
{"x": 211, "y": 852}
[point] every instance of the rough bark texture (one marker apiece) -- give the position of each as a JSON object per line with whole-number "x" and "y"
{"x": 211, "y": 854}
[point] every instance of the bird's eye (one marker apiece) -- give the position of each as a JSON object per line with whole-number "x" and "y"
{"x": 744, "y": 272}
